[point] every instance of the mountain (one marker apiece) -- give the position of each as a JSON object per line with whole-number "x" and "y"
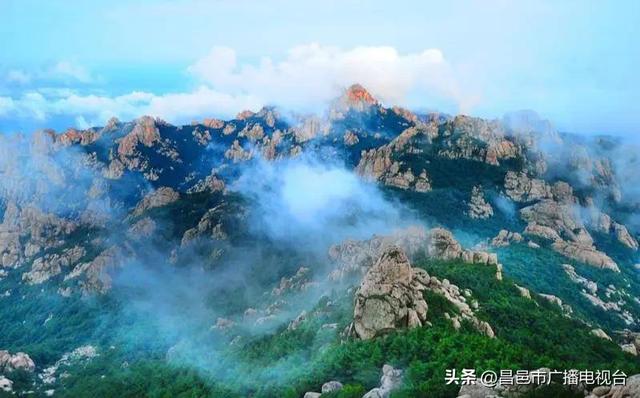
{"x": 361, "y": 252}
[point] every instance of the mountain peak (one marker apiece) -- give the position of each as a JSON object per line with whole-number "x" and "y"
{"x": 357, "y": 94}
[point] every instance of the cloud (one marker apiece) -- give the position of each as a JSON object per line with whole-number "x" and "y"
{"x": 18, "y": 76}
{"x": 305, "y": 80}
{"x": 312, "y": 203}
{"x": 68, "y": 70}
{"x": 310, "y": 75}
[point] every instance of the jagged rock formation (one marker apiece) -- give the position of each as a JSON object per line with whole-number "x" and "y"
{"x": 630, "y": 389}
{"x": 17, "y": 361}
{"x": 505, "y": 238}
{"x": 391, "y": 297}
{"x": 478, "y": 206}
{"x": 377, "y": 164}
{"x": 589, "y": 286}
{"x": 355, "y": 257}
{"x": 300, "y": 281}
{"x": 50, "y": 265}
{"x": 559, "y": 223}
{"x": 391, "y": 379}
{"x": 601, "y": 334}
{"x": 6, "y": 385}
{"x": 27, "y": 231}
{"x": 509, "y": 389}
{"x": 566, "y": 309}
{"x": 520, "y": 188}
{"x": 158, "y": 198}
{"x": 143, "y": 228}
{"x": 93, "y": 276}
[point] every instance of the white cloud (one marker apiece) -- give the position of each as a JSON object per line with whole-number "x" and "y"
{"x": 310, "y": 75}
{"x": 18, "y": 76}
{"x": 304, "y": 80}
{"x": 68, "y": 70}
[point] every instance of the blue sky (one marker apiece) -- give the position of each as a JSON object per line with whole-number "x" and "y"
{"x": 77, "y": 63}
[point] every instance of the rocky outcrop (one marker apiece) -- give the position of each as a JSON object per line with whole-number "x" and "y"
{"x": 143, "y": 228}
{"x": 520, "y": 188}
{"x": 211, "y": 183}
{"x": 603, "y": 223}
{"x": 524, "y": 292}
{"x": 27, "y": 231}
{"x": 299, "y": 282}
{"x": 566, "y": 309}
{"x": 93, "y": 276}
{"x": 377, "y": 165}
{"x": 355, "y": 98}
{"x": 391, "y": 380}
{"x": 630, "y": 389}
{"x": 50, "y": 265}
{"x": 601, "y": 334}
{"x": 6, "y": 385}
{"x": 211, "y": 226}
{"x": 390, "y": 296}
{"x": 355, "y": 257}
{"x": 18, "y": 361}
{"x": 478, "y": 206}
{"x": 236, "y": 153}
{"x": 561, "y": 224}
{"x": 466, "y": 137}
{"x": 589, "y": 286}
{"x": 158, "y": 198}
{"x": 586, "y": 254}
{"x": 505, "y": 238}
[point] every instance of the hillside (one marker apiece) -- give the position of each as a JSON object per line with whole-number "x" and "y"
{"x": 361, "y": 252}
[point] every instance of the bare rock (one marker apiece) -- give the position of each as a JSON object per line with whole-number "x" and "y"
{"x": 6, "y": 385}
{"x": 601, "y": 334}
{"x": 331, "y": 386}
{"x": 143, "y": 228}
{"x": 50, "y": 265}
{"x": 161, "y": 197}
{"x": 505, "y": 238}
{"x": 631, "y": 389}
{"x": 18, "y": 361}
{"x": 388, "y": 297}
{"x": 524, "y": 292}
{"x": 390, "y": 380}
{"x": 521, "y": 188}
{"x": 478, "y": 206}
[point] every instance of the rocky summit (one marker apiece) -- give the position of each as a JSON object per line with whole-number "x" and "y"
{"x": 362, "y": 251}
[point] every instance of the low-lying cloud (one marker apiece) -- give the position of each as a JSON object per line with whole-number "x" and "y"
{"x": 312, "y": 204}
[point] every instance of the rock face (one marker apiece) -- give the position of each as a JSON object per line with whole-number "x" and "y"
{"x": 390, "y": 380}
{"x": 390, "y": 296}
{"x": 93, "y": 276}
{"x": 355, "y": 257}
{"x": 559, "y": 223}
{"x": 521, "y": 188}
{"x": 6, "y": 385}
{"x": 526, "y": 385}
{"x": 18, "y": 361}
{"x": 505, "y": 238}
{"x": 50, "y": 265}
{"x": 631, "y": 389}
{"x": 589, "y": 286}
{"x": 158, "y": 198}
{"x": 27, "y": 231}
{"x": 377, "y": 164}
{"x": 478, "y": 206}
